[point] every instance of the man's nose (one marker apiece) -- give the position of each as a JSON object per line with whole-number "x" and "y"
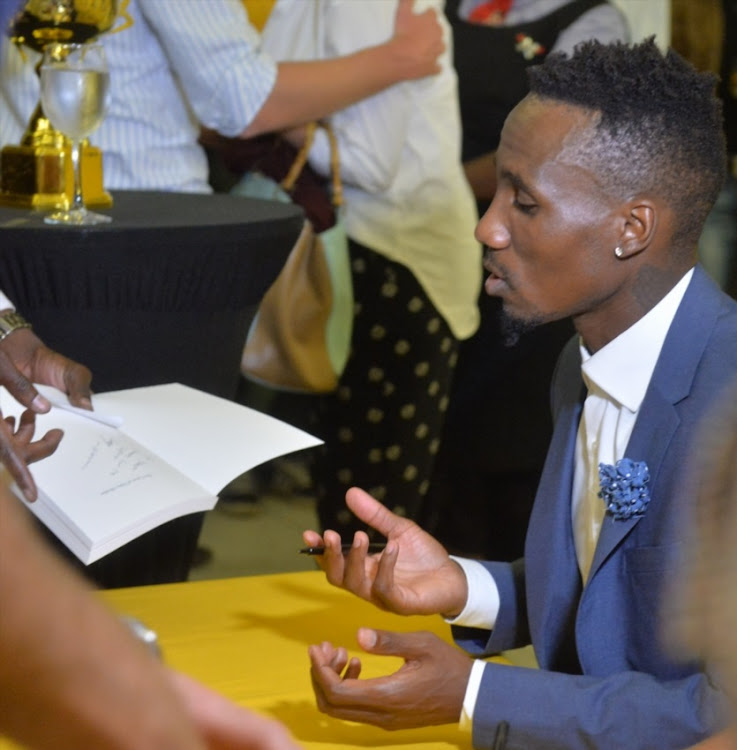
{"x": 491, "y": 230}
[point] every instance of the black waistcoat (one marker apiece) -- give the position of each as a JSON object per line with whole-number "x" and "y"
{"x": 492, "y": 73}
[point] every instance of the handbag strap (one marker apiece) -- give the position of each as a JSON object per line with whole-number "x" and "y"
{"x": 300, "y": 160}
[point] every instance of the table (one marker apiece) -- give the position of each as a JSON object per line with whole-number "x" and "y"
{"x": 162, "y": 294}
{"x": 248, "y": 639}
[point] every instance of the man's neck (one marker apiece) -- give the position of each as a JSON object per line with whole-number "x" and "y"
{"x": 599, "y": 328}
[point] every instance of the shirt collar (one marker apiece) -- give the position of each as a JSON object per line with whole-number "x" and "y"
{"x": 623, "y": 368}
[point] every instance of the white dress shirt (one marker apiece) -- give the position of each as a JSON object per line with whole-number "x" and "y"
{"x": 5, "y": 303}
{"x": 646, "y": 18}
{"x": 406, "y": 195}
{"x": 618, "y": 376}
{"x": 182, "y": 63}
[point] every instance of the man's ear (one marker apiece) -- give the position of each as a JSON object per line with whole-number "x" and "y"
{"x": 638, "y": 228}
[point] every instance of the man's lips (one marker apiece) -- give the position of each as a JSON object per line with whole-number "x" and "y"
{"x": 495, "y": 281}
{"x": 495, "y": 273}
{"x": 489, "y": 264}
{"x": 494, "y": 285}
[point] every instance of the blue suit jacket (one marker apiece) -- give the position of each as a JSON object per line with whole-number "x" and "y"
{"x": 608, "y": 681}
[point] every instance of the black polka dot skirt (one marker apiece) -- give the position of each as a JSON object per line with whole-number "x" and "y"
{"x": 382, "y": 426}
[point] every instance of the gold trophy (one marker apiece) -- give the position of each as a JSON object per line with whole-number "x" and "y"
{"x": 38, "y": 173}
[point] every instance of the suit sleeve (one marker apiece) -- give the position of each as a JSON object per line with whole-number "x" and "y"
{"x": 547, "y": 710}
{"x": 511, "y": 629}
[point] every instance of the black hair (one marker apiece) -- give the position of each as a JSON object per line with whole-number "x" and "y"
{"x": 659, "y": 123}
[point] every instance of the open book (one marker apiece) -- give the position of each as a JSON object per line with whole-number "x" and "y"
{"x": 143, "y": 457}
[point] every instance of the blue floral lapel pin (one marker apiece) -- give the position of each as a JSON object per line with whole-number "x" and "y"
{"x": 624, "y": 488}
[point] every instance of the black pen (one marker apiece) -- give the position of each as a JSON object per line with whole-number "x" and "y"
{"x": 500, "y": 738}
{"x": 345, "y": 548}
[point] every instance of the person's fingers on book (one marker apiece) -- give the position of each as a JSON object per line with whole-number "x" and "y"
{"x": 28, "y": 360}
{"x": 15, "y": 463}
{"x": 77, "y": 379}
{"x": 18, "y": 385}
{"x": 44, "y": 446}
{"x": 35, "y": 450}
{"x": 73, "y": 378}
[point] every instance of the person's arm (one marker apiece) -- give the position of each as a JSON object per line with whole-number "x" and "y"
{"x": 223, "y": 724}
{"x": 629, "y": 709}
{"x": 372, "y": 133}
{"x": 235, "y": 89}
{"x": 309, "y": 90}
{"x": 623, "y": 709}
{"x": 72, "y": 676}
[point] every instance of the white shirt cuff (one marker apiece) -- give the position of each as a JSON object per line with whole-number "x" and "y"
{"x": 482, "y": 605}
{"x": 5, "y": 303}
{"x": 472, "y": 693}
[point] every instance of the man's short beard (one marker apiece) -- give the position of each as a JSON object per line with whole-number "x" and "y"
{"x": 512, "y": 328}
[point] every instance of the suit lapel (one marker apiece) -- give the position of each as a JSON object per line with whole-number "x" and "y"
{"x": 671, "y": 382}
{"x": 553, "y": 579}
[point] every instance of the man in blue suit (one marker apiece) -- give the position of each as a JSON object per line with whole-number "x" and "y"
{"x": 606, "y": 172}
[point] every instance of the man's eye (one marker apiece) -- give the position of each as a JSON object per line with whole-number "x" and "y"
{"x": 525, "y": 208}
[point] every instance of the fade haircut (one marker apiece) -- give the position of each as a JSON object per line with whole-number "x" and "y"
{"x": 659, "y": 127}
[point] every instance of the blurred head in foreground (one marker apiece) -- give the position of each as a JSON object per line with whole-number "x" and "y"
{"x": 705, "y": 596}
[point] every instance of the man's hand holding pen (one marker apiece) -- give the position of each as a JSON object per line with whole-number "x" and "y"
{"x": 373, "y": 548}
{"x": 413, "y": 575}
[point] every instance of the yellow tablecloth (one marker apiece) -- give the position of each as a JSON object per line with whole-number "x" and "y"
{"x": 248, "y": 638}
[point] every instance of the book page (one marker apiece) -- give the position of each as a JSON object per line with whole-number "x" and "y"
{"x": 210, "y": 439}
{"x": 100, "y": 484}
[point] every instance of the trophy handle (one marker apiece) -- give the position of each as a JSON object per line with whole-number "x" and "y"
{"x": 124, "y": 15}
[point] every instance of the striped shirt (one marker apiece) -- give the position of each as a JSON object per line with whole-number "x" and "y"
{"x": 181, "y": 64}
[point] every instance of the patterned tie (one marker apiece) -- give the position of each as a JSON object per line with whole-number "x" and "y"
{"x": 589, "y": 509}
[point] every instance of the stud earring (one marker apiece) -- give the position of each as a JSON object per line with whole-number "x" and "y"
{"x": 618, "y": 251}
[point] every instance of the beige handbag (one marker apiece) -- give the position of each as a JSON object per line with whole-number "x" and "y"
{"x": 300, "y": 338}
